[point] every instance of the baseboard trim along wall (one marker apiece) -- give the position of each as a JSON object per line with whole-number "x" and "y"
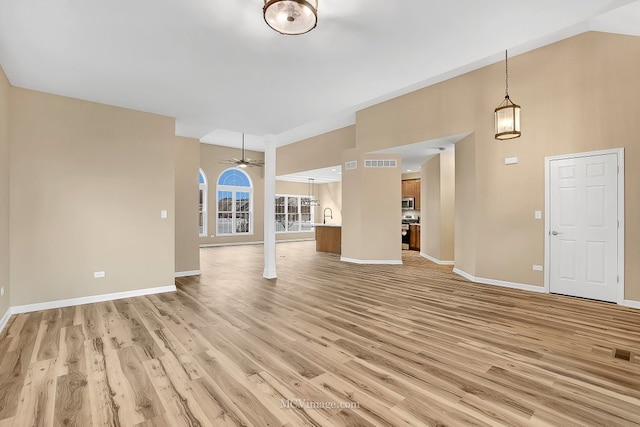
{"x": 371, "y": 261}
{"x": 5, "y": 319}
{"x": 259, "y": 242}
{"x": 437, "y": 261}
{"x": 188, "y": 273}
{"x": 89, "y": 300}
{"x": 632, "y": 304}
{"x": 513, "y": 285}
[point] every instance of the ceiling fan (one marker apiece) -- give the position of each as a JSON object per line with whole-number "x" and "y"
{"x": 244, "y": 161}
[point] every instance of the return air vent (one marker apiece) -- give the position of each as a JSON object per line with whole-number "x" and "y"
{"x": 353, "y": 164}
{"x": 380, "y": 163}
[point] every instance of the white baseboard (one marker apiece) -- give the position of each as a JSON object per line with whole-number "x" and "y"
{"x": 631, "y": 303}
{"x": 513, "y": 285}
{"x": 90, "y": 299}
{"x": 188, "y": 273}
{"x": 305, "y": 239}
{"x": 215, "y": 245}
{"x": 259, "y": 242}
{"x": 437, "y": 261}
{"x": 5, "y": 319}
{"x": 371, "y": 261}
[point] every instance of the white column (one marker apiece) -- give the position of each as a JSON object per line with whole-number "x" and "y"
{"x": 269, "y": 207}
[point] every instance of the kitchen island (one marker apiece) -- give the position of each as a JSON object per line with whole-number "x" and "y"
{"x": 329, "y": 238}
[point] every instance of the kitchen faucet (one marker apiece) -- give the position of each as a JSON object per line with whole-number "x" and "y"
{"x": 324, "y": 214}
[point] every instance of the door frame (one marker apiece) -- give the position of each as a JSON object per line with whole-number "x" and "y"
{"x": 547, "y": 215}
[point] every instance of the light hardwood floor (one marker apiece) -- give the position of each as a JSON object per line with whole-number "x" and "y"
{"x": 327, "y": 343}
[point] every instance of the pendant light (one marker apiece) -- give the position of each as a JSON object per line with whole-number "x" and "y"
{"x": 311, "y": 200}
{"x": 291, "y": 17}
{"x": 507, "y": 114}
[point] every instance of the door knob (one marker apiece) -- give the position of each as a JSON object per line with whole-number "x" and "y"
{"x": 555, "y": 233}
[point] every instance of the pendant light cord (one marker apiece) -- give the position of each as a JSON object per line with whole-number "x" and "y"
{"x": 506, "y": 74}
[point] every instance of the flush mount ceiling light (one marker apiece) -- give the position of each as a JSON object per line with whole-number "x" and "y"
{"x": 507, "y": 114}
{"x": 291, "y": 16}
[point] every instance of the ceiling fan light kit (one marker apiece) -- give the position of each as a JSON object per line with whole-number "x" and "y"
{"x": 507, "y": 114}
{"x": 291, "y": 17}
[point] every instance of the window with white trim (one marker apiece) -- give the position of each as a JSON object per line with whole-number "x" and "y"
{"x": 234, "y": 203}
{"x": 202, "y": 209}
{"x": 293, "y": 214}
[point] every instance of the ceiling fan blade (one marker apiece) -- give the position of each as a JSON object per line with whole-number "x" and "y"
{"x": 243, "y": 162}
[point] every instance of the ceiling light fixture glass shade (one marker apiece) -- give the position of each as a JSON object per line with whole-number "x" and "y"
{"x": 291, "y": 16}
{"x": 507, "y": 114}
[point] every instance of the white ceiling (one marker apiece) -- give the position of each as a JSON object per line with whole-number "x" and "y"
{"x": 219, "y": 70}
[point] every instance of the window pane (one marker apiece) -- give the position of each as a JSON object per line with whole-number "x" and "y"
{"x": 242, "y": 201}
{"x": 225, "y": 223}
{"x": 293, "y": 204}
{"x": 234, "y": 177}
{"x": 281, "y": 222}
{"x": 293, "y": 223}
{"x": 225, "y": 201}
{"x": 280, "y": 204}
{"x": 242, "y": 223}
{"x": 305, "y": 222}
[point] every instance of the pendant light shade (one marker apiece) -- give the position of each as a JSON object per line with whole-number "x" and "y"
{"x": 507, "y": 114}
{"x": 310, "y": 200}
{"x": 291, "y": 16}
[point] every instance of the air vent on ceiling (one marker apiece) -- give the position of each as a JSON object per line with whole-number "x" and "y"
{"x": 380, "y": 163}
{"x": 353, "y": 164}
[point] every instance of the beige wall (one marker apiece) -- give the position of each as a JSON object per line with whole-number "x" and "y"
{"x": 330, "y": 196}
{"x": 211, "y": 157}
{"x": 88, "y": 182}
{"x": 430, "y": 215}
{"x": 371, "y": 211}
{"x": 438, "y": 200}
{"x": 447, "y": 204}
{"x": 577, "y": 95}
{"x": 465, "y": 222}
{"x": 4, "y": 192}
{"x": 187, "y": 195}
{"x": 314, "y": 153}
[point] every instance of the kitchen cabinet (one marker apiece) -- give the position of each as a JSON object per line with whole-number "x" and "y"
{"x": 329, "y": 238}
{"x": 414, "y": 237}
{"x": 411, "y": 188}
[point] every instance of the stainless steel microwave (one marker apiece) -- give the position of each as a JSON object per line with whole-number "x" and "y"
{"x": 408, "y": 203}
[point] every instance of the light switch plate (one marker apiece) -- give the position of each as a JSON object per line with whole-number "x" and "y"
{"x": 537, "y": 267}
{"x": 98, "y": 274}
{"x": 163, "y": 214}
{"x": 537, "y": 214}
{"x": 510, "y": 160}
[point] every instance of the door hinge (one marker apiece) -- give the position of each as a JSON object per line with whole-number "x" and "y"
{"x": 618, "y": 279}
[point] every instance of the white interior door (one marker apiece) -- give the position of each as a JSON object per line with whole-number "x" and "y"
{"x": 583, "y": 226}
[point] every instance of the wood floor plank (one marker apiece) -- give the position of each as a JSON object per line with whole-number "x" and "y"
{"x": 410, "y": 344}
{"x": 15, "y": 364}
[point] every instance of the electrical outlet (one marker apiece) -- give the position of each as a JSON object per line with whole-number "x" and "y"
{"x": 2, "y": 291}
{"x": 163, "y": 214}
{"x": 537, "y": 267}
{"x": 98, "y": 274}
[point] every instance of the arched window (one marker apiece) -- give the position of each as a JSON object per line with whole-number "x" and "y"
{"x": 235, "y": 203}
{"x": 203, "y": 206}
